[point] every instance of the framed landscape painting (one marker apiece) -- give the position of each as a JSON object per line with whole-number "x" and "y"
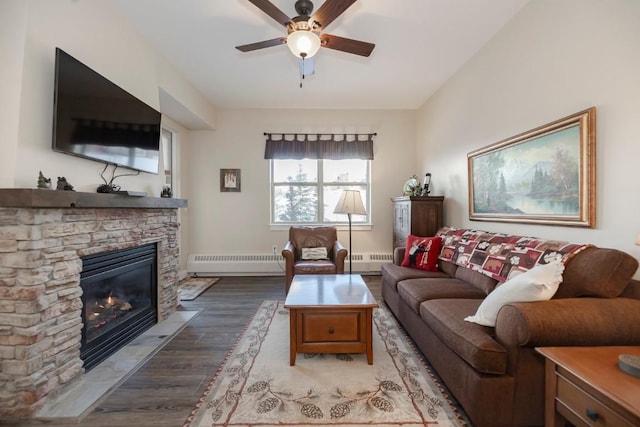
{"x": 543, "y": 176}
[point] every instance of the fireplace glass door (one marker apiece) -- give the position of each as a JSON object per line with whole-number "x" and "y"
{"x": 119, "y": 300}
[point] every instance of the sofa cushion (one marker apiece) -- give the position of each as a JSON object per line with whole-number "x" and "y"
{"x": 537, "y": 284}
{"x": 598, "y": 272}
{"x": 632, "y": 290}
{"x": 485, "y": 283}
{"x": 313, "y": 237}
{"x": 422, "y": 253}
{"x": 313, "y": 253}
{"x": 448, "y": 267}
{"x": 392, "y": 274}
{"x": 414, "y": 291}
{"x": 314, "y": 267}
{"x": 473, "y": 343}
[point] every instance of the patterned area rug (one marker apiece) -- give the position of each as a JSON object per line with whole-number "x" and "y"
{"x": 257, "y": 387}
{"x": 192, "y": 287}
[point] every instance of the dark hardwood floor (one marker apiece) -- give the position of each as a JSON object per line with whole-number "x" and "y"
{"x": 163, "y": 392}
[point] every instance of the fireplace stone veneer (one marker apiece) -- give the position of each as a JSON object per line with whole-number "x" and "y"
{"x": 43, "y": 236}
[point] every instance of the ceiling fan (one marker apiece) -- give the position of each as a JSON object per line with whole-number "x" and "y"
{"x": 305, "y": 32}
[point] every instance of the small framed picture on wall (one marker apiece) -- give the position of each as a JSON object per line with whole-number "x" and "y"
{"x": 229, "y": 180}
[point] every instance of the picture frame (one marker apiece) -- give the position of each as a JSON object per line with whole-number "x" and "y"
{"x": 543, "y": 176}
{"x": 230, "y": 180}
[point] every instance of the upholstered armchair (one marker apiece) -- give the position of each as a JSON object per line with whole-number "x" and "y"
{"x": 312, "y": 250}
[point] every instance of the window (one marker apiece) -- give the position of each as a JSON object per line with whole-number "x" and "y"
{"x": 306, "y": 191}
{"x": 167, "y": 156}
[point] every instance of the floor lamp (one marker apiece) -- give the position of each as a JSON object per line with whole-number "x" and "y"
{"x": 350, "y": 202}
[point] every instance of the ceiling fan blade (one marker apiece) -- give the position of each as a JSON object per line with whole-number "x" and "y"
{"x": 347, "y": 45}
{"x": 270, "y": 9}
{"x": 330, "y": 10}
{"x": 262, "y": 44}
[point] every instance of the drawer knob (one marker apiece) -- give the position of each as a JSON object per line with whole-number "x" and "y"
{"x": 331, "y": 330}
{"x": 592, "y": 414}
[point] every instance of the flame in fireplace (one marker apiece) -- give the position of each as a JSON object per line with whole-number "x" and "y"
{"x": 102, "y": 311}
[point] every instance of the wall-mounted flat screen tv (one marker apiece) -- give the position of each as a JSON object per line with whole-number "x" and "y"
{"x": 96, "y": 119}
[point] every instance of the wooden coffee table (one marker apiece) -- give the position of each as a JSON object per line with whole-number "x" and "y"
{"x": 330, "y": 313}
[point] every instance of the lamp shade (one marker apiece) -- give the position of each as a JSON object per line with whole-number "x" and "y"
{"x": 303, "y": 43}
{"x": 350, "y": 202}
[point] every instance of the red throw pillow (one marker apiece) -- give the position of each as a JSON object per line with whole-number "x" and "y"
{"x": 422, "y": 252}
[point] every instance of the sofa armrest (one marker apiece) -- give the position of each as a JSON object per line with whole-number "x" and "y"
{"x": 570, "y": 322}
{"x": 339, "y": 251}
{"x": 288, "y": 252}
{"x": 339, "y": 255}
{"x": 398, "y": 255}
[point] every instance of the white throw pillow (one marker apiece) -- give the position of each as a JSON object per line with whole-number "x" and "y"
{"x": 314, "y": 253}
{"x": 538, "y": 284}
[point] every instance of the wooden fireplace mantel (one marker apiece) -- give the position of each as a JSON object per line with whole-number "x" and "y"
{"x": 39, "y": 198}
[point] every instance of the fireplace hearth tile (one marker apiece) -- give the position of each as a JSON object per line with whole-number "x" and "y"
{"x": 168, "y": 326}
{"x": 80, "y": 397}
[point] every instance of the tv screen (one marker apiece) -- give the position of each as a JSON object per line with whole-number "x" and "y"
{"x": 96, "y": 119}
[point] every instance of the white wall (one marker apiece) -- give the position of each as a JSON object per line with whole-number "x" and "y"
{"x": 239, "y": 222}
{"x": 553, "y": 59}
{"x": 13, "y": 30}
{"x": 93, "y": 33}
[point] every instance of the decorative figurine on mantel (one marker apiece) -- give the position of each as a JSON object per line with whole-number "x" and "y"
{"x": 44, "y": 182}
{"x": 64, "y": 185}
{"x": 166, "y": 192}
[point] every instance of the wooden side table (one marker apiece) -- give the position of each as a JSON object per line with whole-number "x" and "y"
{"x": 585, "y": 386}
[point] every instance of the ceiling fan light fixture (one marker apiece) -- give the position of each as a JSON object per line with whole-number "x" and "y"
{"x": 303, "y": 43}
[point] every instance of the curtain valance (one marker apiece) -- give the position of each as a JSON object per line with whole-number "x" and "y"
{"x": 319, "y": 146}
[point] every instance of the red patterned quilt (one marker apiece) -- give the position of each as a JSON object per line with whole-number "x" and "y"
{"x": 500, "y": 255}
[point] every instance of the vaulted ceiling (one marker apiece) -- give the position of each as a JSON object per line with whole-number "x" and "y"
{"x": 420, "y": 44}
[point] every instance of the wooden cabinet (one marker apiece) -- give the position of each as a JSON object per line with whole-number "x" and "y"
{"x": 420, "y": 216}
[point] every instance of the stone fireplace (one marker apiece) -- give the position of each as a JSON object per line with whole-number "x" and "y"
{"x": 44, "y": 237}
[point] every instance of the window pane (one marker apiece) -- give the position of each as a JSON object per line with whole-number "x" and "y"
{"x": 305, "y": 170}
{"x": 167, "y": 155}
{"x": 348, "y": 170}
{"x": 331, "y": 195}
{"x": 295, "y": 203}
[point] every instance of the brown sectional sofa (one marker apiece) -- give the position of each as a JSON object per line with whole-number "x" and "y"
{"x": 494, "y": 372}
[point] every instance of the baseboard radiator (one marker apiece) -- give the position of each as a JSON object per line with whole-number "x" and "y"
{"x": 269, "y": 265}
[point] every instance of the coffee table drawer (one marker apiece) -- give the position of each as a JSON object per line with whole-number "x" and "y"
{"x": 330, "y": 327}
{"x": 583, "y": 409}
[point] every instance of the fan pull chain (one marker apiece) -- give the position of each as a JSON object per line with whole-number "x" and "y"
{"x": 302, "y": 71}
